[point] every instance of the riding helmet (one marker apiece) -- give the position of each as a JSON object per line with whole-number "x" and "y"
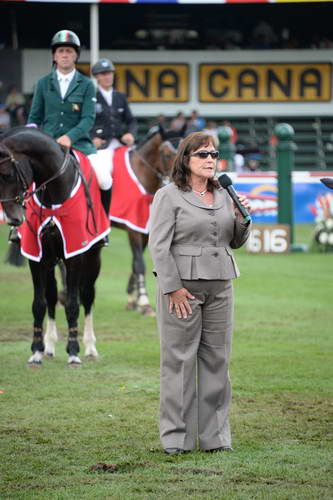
{"x": 102, "y": 66}
{"x": 66, "y": 37}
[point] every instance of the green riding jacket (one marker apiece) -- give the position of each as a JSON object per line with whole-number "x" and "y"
{"x": 73, "y": 115}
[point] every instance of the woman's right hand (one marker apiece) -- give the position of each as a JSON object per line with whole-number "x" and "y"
{"x": 178, "y": 301}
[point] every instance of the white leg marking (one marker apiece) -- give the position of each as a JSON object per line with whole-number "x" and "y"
{"x": 89, "y": 338}
{"x": 143, "y": 300}
{"x": 74, "y": 361}
{"x": 51, "y": 337}
{"x": 36, "y": 358}
{"x": 142, "y": 292}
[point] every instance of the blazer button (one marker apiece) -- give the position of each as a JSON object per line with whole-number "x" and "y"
{"x": 214, "y": 233}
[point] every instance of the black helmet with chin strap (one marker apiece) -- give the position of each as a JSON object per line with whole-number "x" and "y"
{"x": 66, "y": 37}
{"x": 103, "y": 66}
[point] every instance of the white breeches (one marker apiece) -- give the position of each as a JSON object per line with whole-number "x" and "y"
{"x": 114, "y": 144}
{"x": 102, "y": 163}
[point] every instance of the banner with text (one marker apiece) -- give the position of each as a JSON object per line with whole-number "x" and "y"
{"x": 153, "y": 82}
{"x": 280, "y": 82}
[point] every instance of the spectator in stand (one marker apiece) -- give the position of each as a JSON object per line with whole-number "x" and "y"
{"x": 4, "y": 118}
{"x": 211, "y": 129}
{"x": 195, "y": 123}
{"x": 159, "y": 120}
{"x": 15, "y": 105}
{"x": 263, "y": 36}
{"x": 234, "y": 134}
{"x": 178, "y": 122}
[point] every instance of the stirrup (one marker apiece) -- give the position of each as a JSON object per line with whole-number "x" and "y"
{"x": 104, "y": 242}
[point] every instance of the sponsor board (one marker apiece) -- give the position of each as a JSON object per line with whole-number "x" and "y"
{"x": 153, "y": 82}
{"x": 276, "y": 82}
{"x": 262, "y": 191}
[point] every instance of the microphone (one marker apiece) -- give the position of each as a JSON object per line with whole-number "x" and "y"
{"x": 327, "y": 181}
{"x": 226, "y": 183}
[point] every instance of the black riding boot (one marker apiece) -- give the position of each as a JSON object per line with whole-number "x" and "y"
{"x": 13, "y": 236}
{"x": 106, "y": 201}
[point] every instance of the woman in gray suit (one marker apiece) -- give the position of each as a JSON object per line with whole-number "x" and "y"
{"x": 194, "y": 227}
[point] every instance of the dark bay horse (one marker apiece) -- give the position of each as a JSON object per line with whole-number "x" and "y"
{"x": 27, "y": 156}
{"x": 151, "y": 162}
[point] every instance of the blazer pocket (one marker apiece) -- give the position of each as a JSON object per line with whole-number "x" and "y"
{"x": 184, "y": 256}
{"x": 231, "y": 255}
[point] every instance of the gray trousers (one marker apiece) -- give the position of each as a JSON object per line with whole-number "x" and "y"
{"x": 195, "y": 393}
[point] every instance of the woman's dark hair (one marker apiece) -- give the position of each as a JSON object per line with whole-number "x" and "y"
{"x": 181, "y": 172}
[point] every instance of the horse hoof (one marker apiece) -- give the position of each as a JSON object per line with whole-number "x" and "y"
{"x": 49, "y": 355}
{"x": 91, "y": 357}
{"x": 131, "y": 306}
{"x": 34, "y": 364}
{"x": 74, "y": 361}
{"x": 73, "y": 364}
{"x": 147, "y": 311}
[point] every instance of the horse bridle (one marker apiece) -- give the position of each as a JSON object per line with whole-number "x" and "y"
{"x": 26, "y": 194}
{"x": 164, "y": 177}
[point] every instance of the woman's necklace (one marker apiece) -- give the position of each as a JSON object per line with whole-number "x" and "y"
{"x": 201, "y": 193}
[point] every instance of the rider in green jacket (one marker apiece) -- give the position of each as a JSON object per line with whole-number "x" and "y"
{"x": 64, "y": 104}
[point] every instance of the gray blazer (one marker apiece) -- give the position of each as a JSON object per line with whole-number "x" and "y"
{"x": 190, "y": 240}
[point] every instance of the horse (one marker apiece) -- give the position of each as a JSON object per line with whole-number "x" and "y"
{"x": 28, "y": 157}
{"x": 151, "y": 161}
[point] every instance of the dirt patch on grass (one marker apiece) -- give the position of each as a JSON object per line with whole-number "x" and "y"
{"x": 124, "y": 467}
{"x": 14, "y": 334}
{"x": 202, "y": 472}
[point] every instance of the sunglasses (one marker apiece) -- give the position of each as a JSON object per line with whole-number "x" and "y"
{"x": 204, "y": 154}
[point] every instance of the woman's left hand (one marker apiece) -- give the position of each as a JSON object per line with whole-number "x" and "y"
{"x": 246, "y": 204}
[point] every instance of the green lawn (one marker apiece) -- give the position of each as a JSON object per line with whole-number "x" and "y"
{"x": 57, "y": 423}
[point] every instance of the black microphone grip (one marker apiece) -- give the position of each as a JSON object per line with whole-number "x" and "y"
{"x": 226, "y": 183}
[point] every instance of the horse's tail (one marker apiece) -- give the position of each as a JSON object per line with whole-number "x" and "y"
{"x": 14, "y": 256}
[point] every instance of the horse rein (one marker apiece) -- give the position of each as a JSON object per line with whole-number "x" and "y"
{"x": 28, "y": 194}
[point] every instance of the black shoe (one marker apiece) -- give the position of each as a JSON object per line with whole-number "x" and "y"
{"x": 221, "y": 448}
{"x": 174, "y": 451}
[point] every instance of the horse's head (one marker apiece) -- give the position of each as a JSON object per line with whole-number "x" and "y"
{"x": 168, "y": 149}
{"x": 13, "y": 184}
{"x": 154, "y": 156}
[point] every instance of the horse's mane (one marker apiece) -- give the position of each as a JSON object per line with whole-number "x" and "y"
{"x": 25, "y": 130}
{"x": 40, "y": 139}
{"x": 166, "y": 134}
{"x": 152, "y": 132}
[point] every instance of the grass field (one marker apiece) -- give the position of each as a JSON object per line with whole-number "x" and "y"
{"x": 57, "y": 423}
